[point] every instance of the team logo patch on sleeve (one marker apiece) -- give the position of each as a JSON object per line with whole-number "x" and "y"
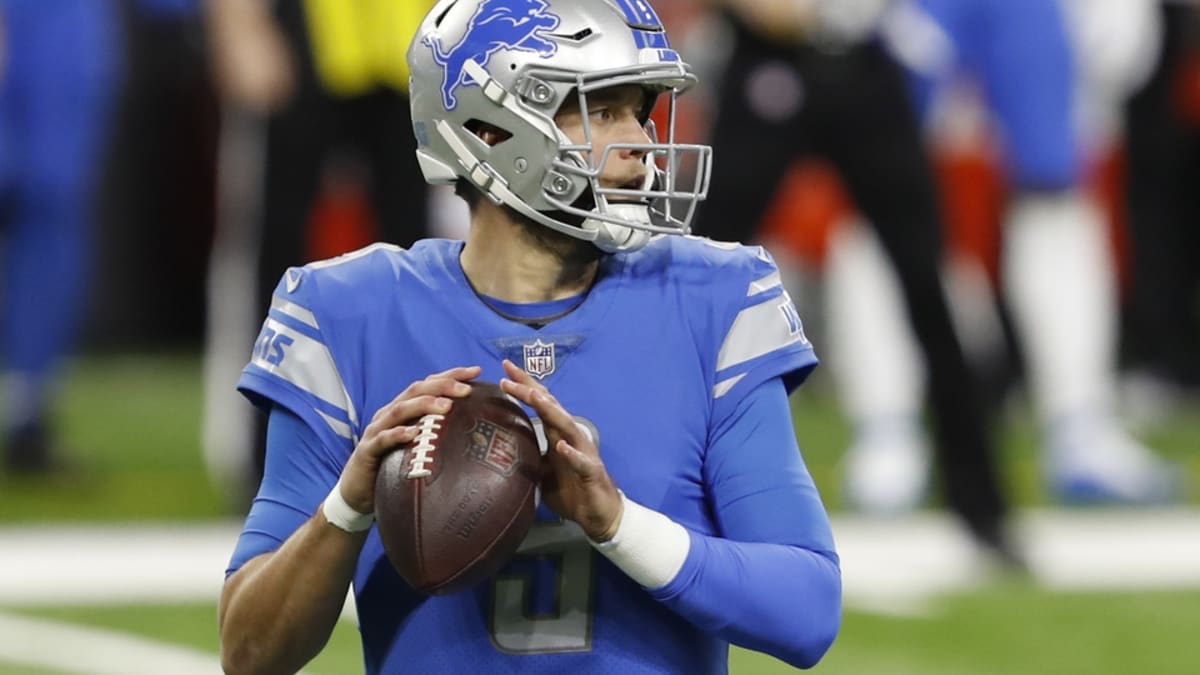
{"x": 539, "y": 358}
{"x": 493, "y": 447}
{"x": 792, "y": 317}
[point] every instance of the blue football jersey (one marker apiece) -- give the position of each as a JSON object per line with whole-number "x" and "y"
{"x": 653, "y": 361}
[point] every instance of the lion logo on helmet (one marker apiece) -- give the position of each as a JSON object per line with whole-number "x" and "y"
{"x": 496, "y": 25}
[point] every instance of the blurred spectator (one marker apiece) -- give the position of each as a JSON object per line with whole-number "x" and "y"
{"x": 312, "y": 89}
{"x": 157, "y": 193}
{"x": 60, "y": 69}
{"x": 1053, "y": 103}
{"x": 810, "y": 79}
{"x": 1163, "y": 146}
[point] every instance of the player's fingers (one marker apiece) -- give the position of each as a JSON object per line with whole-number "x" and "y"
{"x": 435, "y": 384}
{"x": 461, "y": 373}
{"x": 445, "y": 383}
{"x": 387, "y": 440}
{"x": 524, "y": 386}
{"x": 407, "y": 410}
{"x": 441, "y": 386}
{"x": 555, "y": 418}
{"x": 584, "y": 465}
{"x": 518, "y": 375}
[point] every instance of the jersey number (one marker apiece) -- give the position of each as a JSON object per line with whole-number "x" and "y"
{"x": 517, "y": 625}
{"x": 520, "y": 624}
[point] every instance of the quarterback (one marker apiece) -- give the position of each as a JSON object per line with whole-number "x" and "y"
{"x": 678, "y": 516}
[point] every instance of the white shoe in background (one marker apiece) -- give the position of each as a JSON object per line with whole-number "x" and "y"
{"x": 1097, "y": 462}
{"x": 887, "y": 470}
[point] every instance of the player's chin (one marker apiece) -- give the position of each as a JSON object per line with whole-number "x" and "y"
{"x": 632, "y": 185}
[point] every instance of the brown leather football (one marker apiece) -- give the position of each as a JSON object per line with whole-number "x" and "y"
{"x": 452, "y": 506}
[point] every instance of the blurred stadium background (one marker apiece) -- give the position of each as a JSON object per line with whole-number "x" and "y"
{"x": 114, "y": 566}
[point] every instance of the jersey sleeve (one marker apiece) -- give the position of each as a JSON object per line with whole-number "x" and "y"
{"x": 299, "y": 473}
{"x": 770, "y": 580}
{"x": 759, "y": 334}
{"x": 294, "y": 363}
{"x": 293, "y": 374}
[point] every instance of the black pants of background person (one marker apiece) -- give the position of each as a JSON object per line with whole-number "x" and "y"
{"x": 375, "y": 128}
{"x": 853, "y": 110}
{"x": 1163, "y": 328}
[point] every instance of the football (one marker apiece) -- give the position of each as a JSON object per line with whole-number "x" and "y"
{"x": 452, "y": 506}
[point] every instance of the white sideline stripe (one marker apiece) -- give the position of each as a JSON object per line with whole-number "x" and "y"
{"x": 57, "y": 565}
{"x": 899, "y": 562}
{"x": 912, "y": 559}
{"x": 89, "y": 651}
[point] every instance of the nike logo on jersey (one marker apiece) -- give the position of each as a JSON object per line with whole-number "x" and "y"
{"x": 292, "y": 279}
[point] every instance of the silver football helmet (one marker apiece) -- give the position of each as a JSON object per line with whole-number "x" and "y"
{"x": 512, "y": 64}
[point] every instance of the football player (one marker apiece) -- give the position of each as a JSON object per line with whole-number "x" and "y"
{"x": 1056, "y": 269}
{"x": 60, "y": 70}
{"x": 683, "y": 519}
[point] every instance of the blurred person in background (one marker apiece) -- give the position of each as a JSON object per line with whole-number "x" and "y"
{"x": 811, "y": 79}
{"x": 1053, "y": 75}
{"x": 309, "y": 88}
{"x": 1162, "y": 136}
{"x": 60, "y": 69}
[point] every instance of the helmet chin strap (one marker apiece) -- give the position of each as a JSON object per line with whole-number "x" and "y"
{"x": 613, "y": 238}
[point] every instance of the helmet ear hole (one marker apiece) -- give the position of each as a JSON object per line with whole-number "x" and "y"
{"x": 487, "y": 132}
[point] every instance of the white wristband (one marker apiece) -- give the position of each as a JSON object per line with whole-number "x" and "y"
{"x": 648, "y": 546}
{"x": 343, "y": 516}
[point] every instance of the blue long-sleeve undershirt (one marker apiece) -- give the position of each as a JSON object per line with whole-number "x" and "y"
{"x": 771, "y": 581}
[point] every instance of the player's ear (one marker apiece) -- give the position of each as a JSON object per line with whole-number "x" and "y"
{"x": 490, "y": 133}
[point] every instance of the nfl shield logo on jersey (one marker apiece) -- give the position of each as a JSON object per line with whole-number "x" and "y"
{"x": 539, "y": 359}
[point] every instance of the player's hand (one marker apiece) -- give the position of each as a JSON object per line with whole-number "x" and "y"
{"x": 394, "y": 425}
{"x": 253, "y": 67}
{"x": 575, "y": 484}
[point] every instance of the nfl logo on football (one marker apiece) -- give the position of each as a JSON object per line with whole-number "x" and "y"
{"x": 539, "y": 359}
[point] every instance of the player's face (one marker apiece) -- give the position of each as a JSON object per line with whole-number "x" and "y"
{"x": 613, "y": 116}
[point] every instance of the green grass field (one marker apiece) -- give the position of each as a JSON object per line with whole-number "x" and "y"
{"x": 1006, "y": 630}
{"x": 134, "y": 426}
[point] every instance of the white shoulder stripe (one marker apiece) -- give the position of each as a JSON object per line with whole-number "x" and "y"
{"x": 764, "y": 284}
{"x": 759, "y": 330}
{"x": 354, "y": 255}
{"x": 340, "y": 428}
{"x": 724, "y": 386}
{"x": 295, "y": 311}
{"x": 304, "y": 362}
